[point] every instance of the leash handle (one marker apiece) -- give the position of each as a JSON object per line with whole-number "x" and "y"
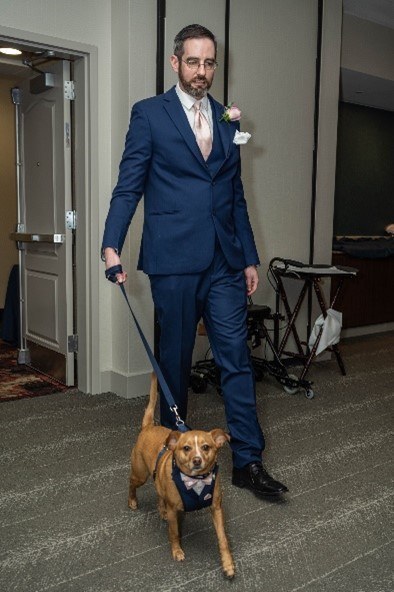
{"x": 180, "y": 424}
{"x": 112, "y": 272}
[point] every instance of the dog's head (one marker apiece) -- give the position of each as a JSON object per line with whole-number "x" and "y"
{"x": 195, "y": 451}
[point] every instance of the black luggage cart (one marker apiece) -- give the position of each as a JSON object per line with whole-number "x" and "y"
{"x": 310, "y": 277}
{"x": 205, "y": 372}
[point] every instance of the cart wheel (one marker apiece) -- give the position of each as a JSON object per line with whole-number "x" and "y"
{"x": 309, "y": 393}
{"x": 291, "y": 390}
{"x": 198, "y": 383}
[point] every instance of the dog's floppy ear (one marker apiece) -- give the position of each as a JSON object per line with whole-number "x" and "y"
{"x": 172, "y": 440}
{"x": 220, "y": 437}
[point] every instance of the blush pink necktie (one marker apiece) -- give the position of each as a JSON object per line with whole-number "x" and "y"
{"x": 202, "y": 131}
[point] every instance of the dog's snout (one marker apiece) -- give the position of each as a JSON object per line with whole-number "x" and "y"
{"x": 197, "y": 461}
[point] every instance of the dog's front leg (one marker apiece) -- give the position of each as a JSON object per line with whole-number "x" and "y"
{"x": 225, "y": 554}
{"x": 173, "y": 534}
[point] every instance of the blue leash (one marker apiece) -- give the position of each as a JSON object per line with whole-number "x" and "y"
{"x": 110, "y": 274}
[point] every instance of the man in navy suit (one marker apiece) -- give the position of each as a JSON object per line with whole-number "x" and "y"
{"x": 197, "y": 245}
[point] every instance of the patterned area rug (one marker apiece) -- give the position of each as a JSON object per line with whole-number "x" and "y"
{"x": 18, "y": 381}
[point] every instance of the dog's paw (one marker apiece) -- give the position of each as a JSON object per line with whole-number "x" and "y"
{"x": 229, "y": 571}
{"x": 163, "y": 514}
{"x": 133, "y": 505}
{"x": 178, "y": 554}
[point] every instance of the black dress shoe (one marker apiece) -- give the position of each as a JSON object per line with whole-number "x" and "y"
{"x": 255, "y": 477}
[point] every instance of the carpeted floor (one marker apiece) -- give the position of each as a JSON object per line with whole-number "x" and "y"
{"x": 18, "y": 381}
{"x": 65, "y": 525}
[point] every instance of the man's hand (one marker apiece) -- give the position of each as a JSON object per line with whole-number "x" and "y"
{"x": 252, "y": 279}
{"x": 112, "y": 258}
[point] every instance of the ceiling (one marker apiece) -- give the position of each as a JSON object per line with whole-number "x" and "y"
{"x": 377, "y": 11}
{"x": 12, "y": 67}
{"x": 363, "y": 89}
{"x": 13, "y": 70}
{"x": 358, "y": 87}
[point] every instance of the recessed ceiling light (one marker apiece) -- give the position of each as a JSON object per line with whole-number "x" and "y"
{"x": 10, "y": 51}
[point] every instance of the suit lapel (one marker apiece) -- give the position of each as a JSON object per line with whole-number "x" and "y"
{"x": 226, "y": 131}
{"x": 175, "y": 110}
{"x": 223, "y": 127}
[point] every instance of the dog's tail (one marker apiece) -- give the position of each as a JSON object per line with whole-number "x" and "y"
{"x": 148, "y": 419}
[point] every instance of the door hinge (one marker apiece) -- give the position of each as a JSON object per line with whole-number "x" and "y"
{"x": 72, "y": 344}
{"x": 71, "y": 220}
{"x": 69, "y": 90}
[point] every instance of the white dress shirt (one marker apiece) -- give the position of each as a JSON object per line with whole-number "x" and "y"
{"x": 188, "y": 101}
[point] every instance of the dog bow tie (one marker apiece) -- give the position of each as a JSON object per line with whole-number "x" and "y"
{"x": 191, "y": 482}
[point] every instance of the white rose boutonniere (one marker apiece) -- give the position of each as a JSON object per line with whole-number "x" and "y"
{"x": 241, "y": 137}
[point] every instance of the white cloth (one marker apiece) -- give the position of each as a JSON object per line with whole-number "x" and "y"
{"x": 332, "y": 325}
{"x": 242, "y": 137}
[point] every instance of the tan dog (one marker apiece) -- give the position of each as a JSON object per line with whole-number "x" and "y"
{"x": 194, "y": 452}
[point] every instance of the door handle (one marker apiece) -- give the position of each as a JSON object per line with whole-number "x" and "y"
{"x": 26, "y": 237}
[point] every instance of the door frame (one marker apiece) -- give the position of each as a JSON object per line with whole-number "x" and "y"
{"x": 85, "y": 186}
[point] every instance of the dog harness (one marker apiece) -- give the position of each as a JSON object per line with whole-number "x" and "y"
{"x": 196, "y": 492}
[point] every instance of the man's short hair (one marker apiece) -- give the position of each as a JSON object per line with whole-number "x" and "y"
{"x": 191, "y": 32}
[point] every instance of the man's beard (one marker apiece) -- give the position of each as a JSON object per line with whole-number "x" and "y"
{"x": 197, "y": 93}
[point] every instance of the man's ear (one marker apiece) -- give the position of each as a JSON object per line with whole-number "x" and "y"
{"x": 172, "y": 440}
{"x": 220, "y": 437}
{"x": 174, "y": 63}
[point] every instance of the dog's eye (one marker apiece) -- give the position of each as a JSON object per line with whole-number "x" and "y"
{"x": 205, "y": 447}
{"x": 186, "y": 448}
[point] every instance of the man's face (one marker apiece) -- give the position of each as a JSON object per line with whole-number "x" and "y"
{"x": 195, "y": 82}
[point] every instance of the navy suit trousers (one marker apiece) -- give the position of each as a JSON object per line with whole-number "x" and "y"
{"x": 218, "y": 295}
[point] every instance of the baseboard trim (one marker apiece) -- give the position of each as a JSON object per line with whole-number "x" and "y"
{"x": 367, "y": 330}
{"x": 128, "y": 386}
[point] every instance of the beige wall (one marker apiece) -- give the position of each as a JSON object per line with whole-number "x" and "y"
{"x": 273, "y": 47}
{"x": 8, "y": 200}
{"x": 206, "y": 13}
{"x": 133, "y": 77}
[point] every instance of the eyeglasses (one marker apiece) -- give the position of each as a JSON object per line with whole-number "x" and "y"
{"x": 194, "y": 64}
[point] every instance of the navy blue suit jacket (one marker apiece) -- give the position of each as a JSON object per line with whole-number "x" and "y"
{"x": 186, "y": 203}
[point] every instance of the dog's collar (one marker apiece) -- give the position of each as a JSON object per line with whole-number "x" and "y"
{"x": 204, "y": 476}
